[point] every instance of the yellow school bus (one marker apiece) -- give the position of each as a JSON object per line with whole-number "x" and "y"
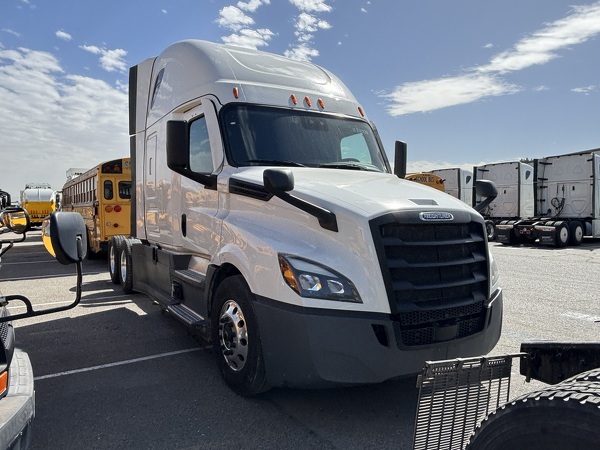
{"x": 428, "y": 179}
{"x": 102, "y": 195}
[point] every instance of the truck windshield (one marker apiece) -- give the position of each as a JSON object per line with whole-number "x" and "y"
{"x": 258, "y": 135}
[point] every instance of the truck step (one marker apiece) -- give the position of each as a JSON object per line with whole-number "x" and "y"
{"x": 186, "y": 315}
{"x": 191, "y": 276}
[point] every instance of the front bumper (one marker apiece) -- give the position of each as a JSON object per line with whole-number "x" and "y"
{"x": 17, "y": 409}
{"x": 314, "y": 348}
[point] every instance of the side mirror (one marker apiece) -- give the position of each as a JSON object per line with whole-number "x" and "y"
{"x": 278, "y": 180}
{"x": 177, "y": 145}
{"x": 16, "y": 219}
{"x": 65, "y": 236}
{"x": 178, "y": 154}
{"x": 400, "y": 154}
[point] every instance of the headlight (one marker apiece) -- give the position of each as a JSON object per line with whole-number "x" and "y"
{"x": 310, "y": 279}
{"x": 494, "y": 274}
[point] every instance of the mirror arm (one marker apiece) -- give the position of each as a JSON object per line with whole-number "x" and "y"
{"x": 31, "y": 313}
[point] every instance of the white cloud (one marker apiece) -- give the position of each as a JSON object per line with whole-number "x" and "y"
{"x": 54, "y": 121}
{"x": 306, "y": 24}
{"x": 234, "y": 18}
{"x": 63, "y": 35}
{"x": 9, "y": 31}
{"x": 430, "y": 95}
{"x": 301, "y": 52}
{"x": 249, "y": 38}
{"x": 483, "y": 81}
{"x": 252, "y": 5}
{"x": 585, "y": 90}
{"x": 542, "y": 45}
{"x": 311, "y": 5}
{"x": 110, "y": 60}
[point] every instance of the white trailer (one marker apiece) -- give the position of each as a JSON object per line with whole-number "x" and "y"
{"x": 266, "y": 218}
{"x": 515, "y": 200}
{"x": 458, "y": 183}
{"x": 567, "y": 202}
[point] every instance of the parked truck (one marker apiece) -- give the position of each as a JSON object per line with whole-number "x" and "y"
{"x": 566, "y": 199}
{"x": 39, "y": 201}
{"x": 515, "y": 201}
{"x": 265, "y": 216}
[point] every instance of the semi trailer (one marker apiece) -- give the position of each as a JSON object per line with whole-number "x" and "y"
{"x": 266, "y": 217}
{"x": 458, "y": 183}
{"x": 514, "y": 181}
{"x": 566, "y": 200}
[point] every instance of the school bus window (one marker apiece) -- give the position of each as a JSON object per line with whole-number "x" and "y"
{"x": 125, "y": 190}
{"x": 108, "y": 190}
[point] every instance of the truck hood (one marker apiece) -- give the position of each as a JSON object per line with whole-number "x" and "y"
{"x": 365, "y": 193}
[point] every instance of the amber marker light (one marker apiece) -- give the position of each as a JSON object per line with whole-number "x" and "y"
{"x": 321, "y": 103}
{"x": 361, "y": 111}
{"x": 236, "y": 92}
{"x": 294, "y": 99}
{"x": 108, "y": 208}
{"x": 288, "y": 275}
{"x": 307, "y": 101}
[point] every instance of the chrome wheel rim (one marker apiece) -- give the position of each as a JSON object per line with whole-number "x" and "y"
{"x": 233, "y": 336}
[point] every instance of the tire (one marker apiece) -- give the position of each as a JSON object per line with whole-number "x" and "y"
{"x": 126, "y": 267}
{"x": 114, "y": 258}
{"x": 562, "y": 234}
{"x": 575, "y": 233}
{"x": 490, "y": 229}
{"x": 559, "y": 417}
{"x": 236, "y": 338}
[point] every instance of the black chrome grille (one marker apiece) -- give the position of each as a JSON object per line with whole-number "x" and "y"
{"x": 436, "y": 275}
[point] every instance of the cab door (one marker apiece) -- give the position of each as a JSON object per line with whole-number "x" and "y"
{"x": 199, "y": 228}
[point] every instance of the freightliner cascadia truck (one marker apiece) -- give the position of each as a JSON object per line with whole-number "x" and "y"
{"x": 266, "y": 217}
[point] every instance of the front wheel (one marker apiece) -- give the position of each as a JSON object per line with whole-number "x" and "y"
{"x": 236, "y": 338}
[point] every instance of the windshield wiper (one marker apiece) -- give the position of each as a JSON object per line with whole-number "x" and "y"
{"x": 350, "y": 166}
{"x": 276, "y": 162}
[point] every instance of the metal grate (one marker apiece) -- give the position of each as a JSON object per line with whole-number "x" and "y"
{"x": 455, "y": 395}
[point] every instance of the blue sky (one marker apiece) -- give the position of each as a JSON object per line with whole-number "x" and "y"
{"x": 463, "y": 82}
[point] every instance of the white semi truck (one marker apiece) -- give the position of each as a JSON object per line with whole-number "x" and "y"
{"x": 567, "y": 203}
{"x": 514, "y": 181}
{"x": 265, "y": 216}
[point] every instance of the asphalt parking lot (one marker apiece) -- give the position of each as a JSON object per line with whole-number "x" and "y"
{"x": 116, "y": 372}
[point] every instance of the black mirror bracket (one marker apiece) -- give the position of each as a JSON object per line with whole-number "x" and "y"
{"x": 280, "y": 181}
